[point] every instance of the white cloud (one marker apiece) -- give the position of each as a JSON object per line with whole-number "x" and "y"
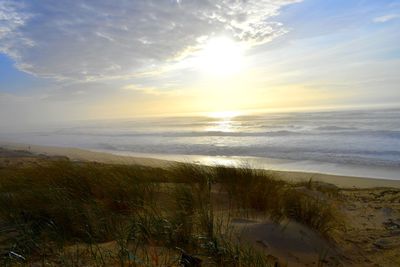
{"x": 386, "y": 18}
{"x": 91, "y": 40}
{"x": 150, "y": 90}
{"x": 12, "y": 17}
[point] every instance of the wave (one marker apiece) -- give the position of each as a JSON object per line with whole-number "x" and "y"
{"x": 356, "y": 156}
{"x": 179, "y": 133}
{"x": 319, "y": 131}
{"x": 370, "y": 138}
{"x": 223, "y": 133}
{"x": 334, "y": 128}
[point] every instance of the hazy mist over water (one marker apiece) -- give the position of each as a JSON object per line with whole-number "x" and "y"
{"x": 370, "y": 138}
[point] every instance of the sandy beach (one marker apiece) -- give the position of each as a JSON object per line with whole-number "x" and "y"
{"x": 200, "y": 133}
{"x": 87, "y": 155}
{"x": 369, "y": 211}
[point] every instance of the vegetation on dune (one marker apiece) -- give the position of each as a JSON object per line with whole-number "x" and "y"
{"x": 76, "y": 214}
{"x": 261, "y": 191}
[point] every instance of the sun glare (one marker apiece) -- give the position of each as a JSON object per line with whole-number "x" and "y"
{"x": 220, "y": 56}
{"x": 223, "y": 121}
{"x": 224, "y": 114}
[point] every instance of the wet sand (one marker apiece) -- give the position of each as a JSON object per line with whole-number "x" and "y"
{"x": 78, "y": 154}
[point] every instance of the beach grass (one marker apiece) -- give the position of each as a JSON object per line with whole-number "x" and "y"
{"x": 91, "y": 214}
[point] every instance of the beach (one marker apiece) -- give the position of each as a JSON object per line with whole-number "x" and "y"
{"x": 233, "y": 133}
{"x": 360, "y": 143}
{"x": 365, "y": 210}
{"x": 87, "y": 155}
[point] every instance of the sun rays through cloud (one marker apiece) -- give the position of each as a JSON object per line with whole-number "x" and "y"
{"x": 145, "y": 57}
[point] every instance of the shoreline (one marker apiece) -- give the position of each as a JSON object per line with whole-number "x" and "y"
{"x": 78, "y": 154}
{"x": 287, "y": 165}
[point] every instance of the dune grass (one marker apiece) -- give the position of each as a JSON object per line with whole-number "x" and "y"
{"x": 76, "y": 214}
{"x": 260, "y": 191}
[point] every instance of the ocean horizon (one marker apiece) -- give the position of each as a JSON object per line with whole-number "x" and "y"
{"x": 359, "y": 142}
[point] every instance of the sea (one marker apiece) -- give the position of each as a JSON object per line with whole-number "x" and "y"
{"x": 362, "y": 143}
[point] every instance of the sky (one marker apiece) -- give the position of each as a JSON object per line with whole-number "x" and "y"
{"x": 75, "y": 60}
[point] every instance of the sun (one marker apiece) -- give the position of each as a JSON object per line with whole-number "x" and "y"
{"x": 220, "y": 56}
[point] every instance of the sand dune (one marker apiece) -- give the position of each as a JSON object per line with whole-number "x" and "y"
{"x": 371, "y": 225}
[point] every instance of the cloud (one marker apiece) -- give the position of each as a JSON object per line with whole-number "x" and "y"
{"x": 386, "y": 18}
{"x": 12, "y": 18}
{"x": 92, "y": 40}
{"x": 150, "y": 90}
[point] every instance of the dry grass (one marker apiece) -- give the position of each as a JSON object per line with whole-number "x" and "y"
{"x": 260, "y": 191}
{"x": 151, "y": 215}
